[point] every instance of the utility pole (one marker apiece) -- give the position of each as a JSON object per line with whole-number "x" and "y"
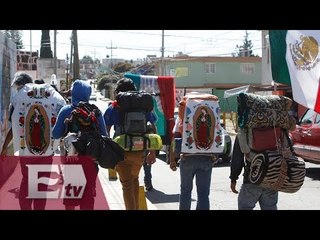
{"x": 162, "y": 55}
{"x": 111, "y": 65}
{"x": 76, "y": 64}
{"x": 55, "y": 52}
{"x": 71, "y": 54}
{"x": 67, "y": 73}
{"x": 30, "y": 50}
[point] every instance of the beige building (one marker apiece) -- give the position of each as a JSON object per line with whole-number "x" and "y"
{"x": 42, "y": 68}
{"x": 45, "y": 68}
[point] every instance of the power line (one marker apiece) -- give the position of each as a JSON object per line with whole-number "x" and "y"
{"x": 218, "y": 42}
{"x": 155, "y": 34}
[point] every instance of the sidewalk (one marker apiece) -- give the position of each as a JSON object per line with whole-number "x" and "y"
{"x": 110, "y": 199}
{"x": 113, "y": 191}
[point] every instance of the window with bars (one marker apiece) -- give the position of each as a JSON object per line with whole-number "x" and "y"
{"x": 210, "y": 68}
{"x": 247, "y": 68}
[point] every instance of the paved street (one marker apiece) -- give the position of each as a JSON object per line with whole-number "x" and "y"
{"x": 166, "y": 183}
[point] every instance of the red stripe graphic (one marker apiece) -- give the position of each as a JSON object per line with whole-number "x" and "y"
{"x": 317, "y": 103}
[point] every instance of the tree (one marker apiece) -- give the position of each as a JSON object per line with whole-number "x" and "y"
{"x": 86, "y": 59}
{"x": 122, "y": 67}
{"x": 15, "y": 36}
{"x": 108, "y": 83}
{"x": 45, "y": 49}
{"x": 245, "y": 50}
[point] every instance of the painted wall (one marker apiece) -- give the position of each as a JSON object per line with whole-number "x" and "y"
{"x": 192, "y": 73}
{"x": 8, "y": 66}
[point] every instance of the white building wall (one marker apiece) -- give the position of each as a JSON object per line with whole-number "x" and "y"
{"x": 45, "y": 70}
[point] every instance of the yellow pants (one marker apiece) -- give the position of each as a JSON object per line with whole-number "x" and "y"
{"x": 112, "y": 174}
{"x": 128, "y": 171}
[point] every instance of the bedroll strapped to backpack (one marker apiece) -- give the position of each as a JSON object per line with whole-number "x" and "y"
{"x": 137, "y": 143}
{"x": 134, "y": 107}
{"x": 83, "y": 118}
{"x": 87, "y": 140}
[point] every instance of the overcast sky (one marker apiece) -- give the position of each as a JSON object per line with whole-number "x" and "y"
{"x": 137, "y": 44}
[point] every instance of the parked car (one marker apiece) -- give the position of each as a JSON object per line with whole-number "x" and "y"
{"x": 227, "y": 153}
{"x": 93, "y": 97}
{"x": 306, "y": 137}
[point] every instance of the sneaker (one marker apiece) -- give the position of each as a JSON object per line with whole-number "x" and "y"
{"x": 149, "y": 187}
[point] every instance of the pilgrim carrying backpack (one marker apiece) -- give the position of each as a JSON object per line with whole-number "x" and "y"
{"x": 134, "y": 107}
{"x": 263, "y": 136}
{"x": 83, "y": 124}
{"x": 83, "y": 118}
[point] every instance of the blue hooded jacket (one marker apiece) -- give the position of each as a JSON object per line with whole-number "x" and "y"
{"x": 81, "y": 91}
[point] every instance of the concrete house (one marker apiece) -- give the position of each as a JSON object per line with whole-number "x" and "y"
{"x": 212, "y": 74}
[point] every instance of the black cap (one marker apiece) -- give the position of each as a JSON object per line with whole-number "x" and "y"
{"x": 39, "y": 81}
{"x": 21, "y": 78}
{"x": 124, "y": 85}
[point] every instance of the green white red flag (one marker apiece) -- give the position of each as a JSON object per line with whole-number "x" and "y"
{"x": 295, "y": 61}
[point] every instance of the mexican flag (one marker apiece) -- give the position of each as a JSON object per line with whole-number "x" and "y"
{"x": 295, "y": 61}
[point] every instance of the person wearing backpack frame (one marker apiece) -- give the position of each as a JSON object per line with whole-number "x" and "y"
{"x": 80, "y": 92}
{"x": 192, "y": 166}
{"x": 250, "y": 194}
{"x": 129, "y": 169}
{"x": 20, "y": 79}
{"x": 20, "y": 84}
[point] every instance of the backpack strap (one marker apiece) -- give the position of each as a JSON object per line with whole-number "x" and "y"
{"x": 285, "y": 131}
{"x": 68, "y": 122}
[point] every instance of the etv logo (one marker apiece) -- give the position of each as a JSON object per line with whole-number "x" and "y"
{"x": 74, "y": 181}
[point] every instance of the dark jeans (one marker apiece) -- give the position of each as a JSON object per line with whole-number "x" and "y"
{"x": 200, "y": 168}
{"x": 251, "y": 194}
{"x": 147, "y": 173}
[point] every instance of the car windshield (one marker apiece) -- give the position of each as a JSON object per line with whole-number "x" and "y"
{"x": 307, "y": 117}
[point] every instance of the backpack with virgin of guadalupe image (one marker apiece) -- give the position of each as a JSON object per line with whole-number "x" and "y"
{"x": 36, "y": 107}
{"x": 200, "y": 126}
